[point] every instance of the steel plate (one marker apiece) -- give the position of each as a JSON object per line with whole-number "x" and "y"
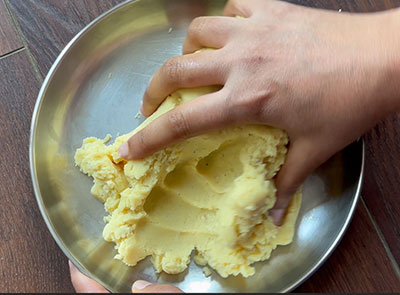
{"x": 95, "y": 88}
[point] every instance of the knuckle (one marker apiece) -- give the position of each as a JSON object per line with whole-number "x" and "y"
{"x": 240, "y": 7}
{"x": 197, "y": 26}
{"x": 261, "y": 108}
{"x": 234, "y": 3}
{"x": 256, "y": 56}
{"x": 139, "y": 141}
{"x": 282, "y": 10}
{"x": 226, "y": 114}
{"x": 172, "y": 70}
{"x": 230, "y": 111}
{"x": 178, "y": 124}
{"x": 233, "y": 111}
{"x": 254, "y": 104}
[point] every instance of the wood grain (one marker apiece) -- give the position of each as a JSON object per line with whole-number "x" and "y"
{"x": 49, "y": 25}
{"x": 382, "y": 180}
{"x": 30, "y": 260}
{"x": 9, "y": 40}
{"x": 359, "y": 264}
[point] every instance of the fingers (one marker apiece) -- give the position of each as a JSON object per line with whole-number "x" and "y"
{"x": 146, "y": 287}
{"x": 82, "y": 283}
{"x": 299, "y": 163}
{"x": 192, "y": 70}
{"x": 244, "y": 8}
{"x": 209, "y": 32}
{"x": 205, "y": 113}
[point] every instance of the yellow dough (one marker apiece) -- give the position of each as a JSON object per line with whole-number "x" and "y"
{"x": 209, "y": 194}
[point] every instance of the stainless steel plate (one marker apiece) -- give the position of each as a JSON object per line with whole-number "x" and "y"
{"x": 94, "y": 88}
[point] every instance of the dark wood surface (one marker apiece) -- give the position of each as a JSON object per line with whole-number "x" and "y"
{"x": 9, "y": 40}
{"x": 48, "y": 26}
{"x": 382, "y": 176}
{"x": 29, "y": 258}
{"x": 360, "y": 264}
{"x": 30, "y": 261}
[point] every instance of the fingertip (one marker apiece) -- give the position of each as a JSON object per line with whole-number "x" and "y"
{"x": 277, "y": 216}
{"x": 186, "y": 47}
{"x": 142, "y": 110}
{"x": 278, "y": 211}
{"x": 146, "y": 110}
{"x": 124, "y": 150}
{"x": 147, "y": 106}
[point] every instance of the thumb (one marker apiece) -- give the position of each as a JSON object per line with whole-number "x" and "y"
{"x": 146, "y": 287}
{"x": 300, "y": 162}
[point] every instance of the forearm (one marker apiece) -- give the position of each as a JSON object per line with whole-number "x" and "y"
{"x": 389, "y": 45}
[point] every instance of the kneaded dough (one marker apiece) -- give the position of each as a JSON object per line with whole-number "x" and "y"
{"x": 209, "y": 194}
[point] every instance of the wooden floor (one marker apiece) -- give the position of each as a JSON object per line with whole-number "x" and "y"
{"x": 32, "y": 34}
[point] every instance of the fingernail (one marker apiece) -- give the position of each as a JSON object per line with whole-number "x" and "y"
{"x": 140, "y": 285}
{"x": 124, "y": 150}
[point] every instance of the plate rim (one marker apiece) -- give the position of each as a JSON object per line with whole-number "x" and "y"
{"x": 45, "y": 84}
{"x": 38, "y": 195}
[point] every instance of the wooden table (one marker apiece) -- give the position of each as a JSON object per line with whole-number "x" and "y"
{"x": 32, "y": 34}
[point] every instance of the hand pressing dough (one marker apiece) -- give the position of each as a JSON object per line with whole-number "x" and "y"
{"x": 209, "y": 194}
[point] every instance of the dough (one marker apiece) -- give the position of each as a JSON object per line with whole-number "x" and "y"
{"x": 209, "y": 194}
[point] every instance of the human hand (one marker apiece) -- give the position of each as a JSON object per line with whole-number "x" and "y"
{"x": 83, "y": 284}
{"x": 324, "y": 77}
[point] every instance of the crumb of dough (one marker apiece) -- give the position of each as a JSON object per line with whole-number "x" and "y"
{"x": 107, "y": 138}
{"x": 206, "y": 271}
{"x": 170, "y": 30}
{"x": 209, "y": 194}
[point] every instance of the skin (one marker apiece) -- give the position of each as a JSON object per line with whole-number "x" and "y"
{"x": 324, "y": 77}
{"x": 314, "y": 73}
{"x": 83, "y": 284}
